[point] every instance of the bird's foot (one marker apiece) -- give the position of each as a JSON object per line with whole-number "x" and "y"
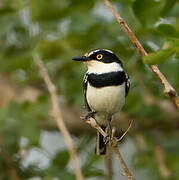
{"x": 107, "y": 139}
{"x": 109, "y": 132}
{"x": 88, "y": 116}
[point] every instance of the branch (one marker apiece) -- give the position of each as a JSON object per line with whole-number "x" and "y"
{"x": 58, "y": 117}
{"x": 127, "y": 173}
{"x": 160, "y": 156}
{"x": 125, "y": 131}
{"x": 113, "y": 143}
{"x": 109, "y": 164}
{"x": 168, "y": 89}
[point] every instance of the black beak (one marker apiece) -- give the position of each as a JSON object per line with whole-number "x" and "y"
{"x": 81, "y": 58}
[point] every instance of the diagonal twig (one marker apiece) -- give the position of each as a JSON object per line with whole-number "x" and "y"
{"x": 109, "y": 164}
{"x": 125, "y": 131}
{"x": 160, "y": 156}
{"x": 168, "y": 89}
{"x": 58, "y": 117}
{"x": 113, "y": 143}
{"x": 127, "y": 173}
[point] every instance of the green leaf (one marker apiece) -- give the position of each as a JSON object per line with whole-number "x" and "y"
{"x": 168, "y": 30}
{"x": 93, "y": 172}
{"x": 169, "y": 7}
{"x": 158, "y": 57}
{"x": 61, "y": 159}
{"x": 47, "y": 10}
{"x": 174, "y": 42}
{"x": 170, "y": 47}
{"x": 89, "y": 170}
{"x": 147, "y": 11}
{"x": 10, "y": 6}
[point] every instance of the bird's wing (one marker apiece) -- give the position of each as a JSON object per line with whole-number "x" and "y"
{"x": 85, "y": 83}
{"x": 127, "y": 84}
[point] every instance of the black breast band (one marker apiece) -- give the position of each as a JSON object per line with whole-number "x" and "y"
{"x": 106, "y": 79}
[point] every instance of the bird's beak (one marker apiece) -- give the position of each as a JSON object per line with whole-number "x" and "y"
{"x": 81, "y": 58}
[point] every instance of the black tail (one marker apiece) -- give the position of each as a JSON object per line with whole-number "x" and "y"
{"x": 100, "y": 145}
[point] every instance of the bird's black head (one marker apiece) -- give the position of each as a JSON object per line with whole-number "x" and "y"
{"x": 100, "y": 55}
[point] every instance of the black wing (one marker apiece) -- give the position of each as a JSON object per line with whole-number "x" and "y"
{"x": 85, "y": 83}
{"x": 127, "y": 84}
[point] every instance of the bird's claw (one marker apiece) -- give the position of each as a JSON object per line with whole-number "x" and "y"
{"x": 88, "y": 116}
{"x": 107, "y": 139}
{"x": 84, "y": 118}
{"x": 109, "y": 133}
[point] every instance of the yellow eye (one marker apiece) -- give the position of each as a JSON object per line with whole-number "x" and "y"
{"x": 99, "y": 56}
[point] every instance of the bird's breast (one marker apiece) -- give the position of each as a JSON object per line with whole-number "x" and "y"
{"x": 108, "y": 99}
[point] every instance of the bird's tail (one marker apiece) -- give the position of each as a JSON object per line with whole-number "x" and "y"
{"x": 100, "y": 145}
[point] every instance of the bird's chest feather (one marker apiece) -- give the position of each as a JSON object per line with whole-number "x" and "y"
{"x": 109, "y": 99}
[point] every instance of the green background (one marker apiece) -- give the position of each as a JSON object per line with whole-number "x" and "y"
{"x": 57, "y": 30}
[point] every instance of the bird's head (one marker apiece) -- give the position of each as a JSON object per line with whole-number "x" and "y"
{"x": 99, "y": 58}
{"x": 99, "y": 55}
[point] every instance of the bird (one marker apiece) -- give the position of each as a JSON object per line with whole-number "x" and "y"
{"x": 105, "y": 87}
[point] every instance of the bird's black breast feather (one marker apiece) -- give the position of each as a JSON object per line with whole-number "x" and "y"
{"x": 107, "y": 79}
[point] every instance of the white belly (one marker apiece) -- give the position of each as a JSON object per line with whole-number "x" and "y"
{"x": 107, "y": 100}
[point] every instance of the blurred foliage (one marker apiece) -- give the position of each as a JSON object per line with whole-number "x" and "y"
{"x": 170, "y": 46}
{"x": 57, "y": 31}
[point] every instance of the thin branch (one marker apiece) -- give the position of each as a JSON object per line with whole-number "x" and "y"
{"x": 160, "y": 156}
{"x": 168, "y": 89}
{"x": 93, "y": 123}
{"x": 109, "y": 164}
{"x": 113, "y": 143}
{"x": 127, "y": 173}
{"x": 58, "y": 117}
{"x": 125, "y": 131}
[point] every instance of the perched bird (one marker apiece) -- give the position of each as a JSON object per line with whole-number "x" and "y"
{"x": 105, "y": 86}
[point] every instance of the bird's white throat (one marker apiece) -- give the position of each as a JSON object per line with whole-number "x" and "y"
{"x": 100, "y": 67}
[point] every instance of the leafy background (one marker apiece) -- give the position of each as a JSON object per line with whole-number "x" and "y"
{"x": 30, "y": 145}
